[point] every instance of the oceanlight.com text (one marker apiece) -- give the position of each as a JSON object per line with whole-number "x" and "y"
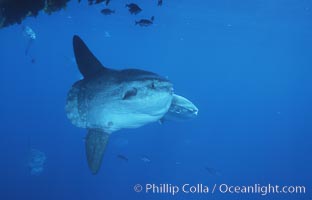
{"x": 173, "y": 189}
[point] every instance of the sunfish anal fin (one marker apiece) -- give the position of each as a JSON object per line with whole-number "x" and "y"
{"x": 96, "y": 142}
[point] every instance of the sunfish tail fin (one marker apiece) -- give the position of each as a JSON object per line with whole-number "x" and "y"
{"x": 87, "y": 63}
{"x": 95, "y": 142}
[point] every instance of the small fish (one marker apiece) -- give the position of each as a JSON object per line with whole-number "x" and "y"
{"x": 159, "y": 2}
{"x": 122, "y": 157}
{"x": 212, "y": 171}
{"x": 133, "y": 8}
{"x": 178, "y": 163}
{"x": 99, "y": 1}
{"x": 107, "y": 11}
{"x": 107, "y": 2}
{"x": 145, "y": 159}
{"x": 107, "y": 34}
{"x": 33, "y": 60}
{"x": 145, "y": 22}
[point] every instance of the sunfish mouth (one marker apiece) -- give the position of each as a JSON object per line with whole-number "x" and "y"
{"x": 194, "y": 112}
{"x": 181, "y": 109}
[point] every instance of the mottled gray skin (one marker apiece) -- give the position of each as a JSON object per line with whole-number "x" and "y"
{"x": 108, "y": 100}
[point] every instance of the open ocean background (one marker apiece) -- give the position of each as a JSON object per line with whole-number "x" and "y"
{"x": 247, "y": 66}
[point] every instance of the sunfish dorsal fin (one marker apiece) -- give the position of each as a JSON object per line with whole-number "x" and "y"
{"x": 87, "y": 63}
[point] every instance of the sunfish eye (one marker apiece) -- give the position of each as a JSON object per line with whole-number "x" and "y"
{"x": 130, "y": 93}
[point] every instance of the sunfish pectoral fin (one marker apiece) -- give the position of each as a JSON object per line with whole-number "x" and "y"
{"x": 87, "y": 63}
{"x": 96, "y": 142}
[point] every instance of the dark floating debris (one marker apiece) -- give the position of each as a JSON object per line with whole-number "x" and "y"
{"x": 145, "y": 22}
{"x": 54, "y": 5}
{"x": 2, "y": 18}
{"x": 133, "y": 8}
{"x": 107, "y": 11}
{"x": 15, "y": 11}
{"x": 159, "y": 2}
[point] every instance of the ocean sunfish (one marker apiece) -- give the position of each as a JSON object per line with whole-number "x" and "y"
{"x": 107, "y": 100}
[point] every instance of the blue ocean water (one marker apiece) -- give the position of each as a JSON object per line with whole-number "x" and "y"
{"x": 245, "y": 64}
